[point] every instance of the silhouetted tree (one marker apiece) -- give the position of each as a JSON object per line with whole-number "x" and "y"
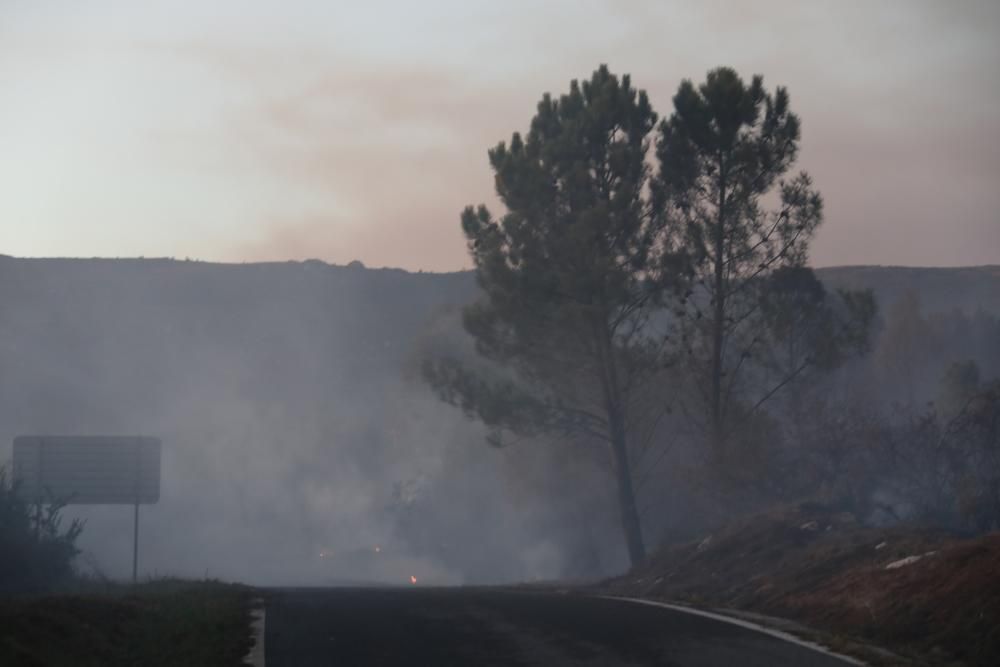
{"x": 724, "y": 154}
{"x": 570, "y": 275}
{"x": 905, "y": 347}
{"x": 804, "y": 327}
{"x": 960, "y": 384}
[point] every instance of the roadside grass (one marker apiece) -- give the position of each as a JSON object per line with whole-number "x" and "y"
{"x": 160, "y": 623}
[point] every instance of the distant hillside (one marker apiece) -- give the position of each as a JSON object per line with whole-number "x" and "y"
{"x": 940, "y": 289}
{"x": 292, "y": 414}
{"x": 280, "y": 392}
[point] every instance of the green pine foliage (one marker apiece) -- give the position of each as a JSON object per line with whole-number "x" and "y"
{"x": 744, "y": 222}
{"x": 570, "y": 275}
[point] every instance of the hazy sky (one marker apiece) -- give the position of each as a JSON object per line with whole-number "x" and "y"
{"x": 358, "y": 130}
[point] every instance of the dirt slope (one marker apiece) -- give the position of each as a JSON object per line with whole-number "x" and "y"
{"x": 921, "y": 593}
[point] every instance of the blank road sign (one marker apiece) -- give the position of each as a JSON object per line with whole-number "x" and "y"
{"x": 91, "y": 470}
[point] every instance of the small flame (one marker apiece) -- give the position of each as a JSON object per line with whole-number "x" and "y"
{"x": 413, "y": 579}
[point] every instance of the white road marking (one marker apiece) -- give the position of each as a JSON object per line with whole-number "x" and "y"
{"x": 255, "y": 658}
{"x": 743, "y": 624}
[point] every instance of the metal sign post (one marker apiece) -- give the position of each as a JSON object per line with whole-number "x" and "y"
{"x": 135, "y": 544}
{"x": 90, "y": 470}
{"x": 136, "y": 453}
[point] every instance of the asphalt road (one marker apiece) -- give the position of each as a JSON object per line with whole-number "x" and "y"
{"x": 485, "y": 627}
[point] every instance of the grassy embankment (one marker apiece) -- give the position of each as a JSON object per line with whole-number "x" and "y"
{"x": 155, "y": 624}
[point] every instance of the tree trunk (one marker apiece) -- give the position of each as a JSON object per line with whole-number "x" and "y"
{"x": 718, "y": 319}
{"x": 615, "y": 411}
{"x": 631, "y": 526}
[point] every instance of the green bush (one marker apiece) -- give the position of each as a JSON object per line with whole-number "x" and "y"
{"x": 36, "y": 553}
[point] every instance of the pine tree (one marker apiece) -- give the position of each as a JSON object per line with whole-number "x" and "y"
{"x": 570, "y": 275}
{"x": 722, "y": 189}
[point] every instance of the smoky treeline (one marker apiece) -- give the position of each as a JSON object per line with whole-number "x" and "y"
{"x": 298, "y": 434}
{"x": 295, "y": 421}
